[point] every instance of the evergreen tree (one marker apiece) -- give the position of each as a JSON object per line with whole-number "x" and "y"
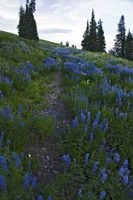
{"x": 85, "y": 41}
{"x": 32, "y": 6}
{"x": 28, "y": 29}
{"x": 129, "y": 46}
{"x": 67, "y": 44}
{"x": 93, "y": 34}
{"x": 21, "y": 25}
{"x": 119, "y": 47}
{"x": 100, "y": 38}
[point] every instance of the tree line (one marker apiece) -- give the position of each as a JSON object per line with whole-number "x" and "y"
{"x": 94, "y": 39}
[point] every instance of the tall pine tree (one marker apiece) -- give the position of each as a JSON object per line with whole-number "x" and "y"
{"x": 93, "y": 34}
{"x": 119, "y": 47}
{"x": 21, "y": 26}
{"x": 129, "y": 46}
{"x": 27, "y": 27}
{"x": 85, "y": 41}
{"x": 100, "y": 37}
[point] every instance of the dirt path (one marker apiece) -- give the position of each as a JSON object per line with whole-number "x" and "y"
{"x": 46, "y": 153}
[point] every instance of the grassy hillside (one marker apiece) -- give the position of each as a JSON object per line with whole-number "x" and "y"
{"x": 93, "y": 130}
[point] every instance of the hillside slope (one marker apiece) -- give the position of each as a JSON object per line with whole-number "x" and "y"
{"x": 66, "y": 123}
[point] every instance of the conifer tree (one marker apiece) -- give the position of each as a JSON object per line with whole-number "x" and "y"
{"x": 100, "y": 37}
{"x": 93, "y": 34}
{"x": 119, "y": 47}
{"x": 28, "y": 29}
{"x": 129, "y": 46}
{"x": 85, "y": 41}
{"x": 21, "y": 25}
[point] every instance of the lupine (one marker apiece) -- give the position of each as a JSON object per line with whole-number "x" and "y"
{"x": 75, "y": 122}
{"x": 86, "y": 158}
{"x": 50, "y": 197}
{"x": 33, "y": 182}
{"x": 125, "y": 179}
{"x": 17, "y": 160}
{"x": 117, "y": 157}
{"x": 82, "y": 117}
{"x": 95, "y": 166}
{"x": 104, "y": 176}
{"x": 1, "y": 94}
{"x": 91, "y": 137}
{"x": 26, "y": 181}
{"x": 86, "y": 128}
{"x": 89, "y": 116}
{"x": 40, "y": 197}
{"x": 102, "y": 195}
{"x": 3, "y": 183}
{"x": 67, "y": 159}
{"x": 3, "y": 163}
{"x": 79, "y": 193}
{"x": 96, "y": 120}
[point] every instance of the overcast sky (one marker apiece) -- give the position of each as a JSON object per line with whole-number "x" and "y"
{"x": 65, "y": 20}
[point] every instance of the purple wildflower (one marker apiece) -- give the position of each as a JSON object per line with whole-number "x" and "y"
{"x": 67, "y": 159}
{"x": 75, "y": 122}
{"x": 104, "y": 176}
{"x": 91, "y": 137}
{"x": 102, "y": 195}
{"x": 50, "y": 197}
{"x": 117, "y": 157}
{"x": 86, "y": 158}
{"x": 40, "y": 197}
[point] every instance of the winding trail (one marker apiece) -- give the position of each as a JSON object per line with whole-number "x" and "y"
{"x": 46, "y": 153}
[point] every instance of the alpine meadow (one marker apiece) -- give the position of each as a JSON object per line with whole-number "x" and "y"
{"x": 66, "y": 112}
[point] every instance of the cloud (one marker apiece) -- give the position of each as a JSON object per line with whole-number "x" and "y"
{"x": 55, "y": 30}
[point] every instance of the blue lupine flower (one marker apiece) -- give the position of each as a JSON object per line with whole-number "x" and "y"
{"x": 102, "y": 195}
{"x": 82, "y": 117}
{"x": 50, "y": 197}
{"x": 3, "y": 163}
{"x": 108, "y": 160}
{"x": 33, "y": 182}
{"x": 17, "y": 160}
{"x": 104, "y": 176}
{"x": 91, "y": 137}
{"x": 22, "y": 155}
{"x": 95, "y": 166}
{"x": 89, "y": 116}
{"x": 3, "y": 183}
{"x": 96, "y": 120}
{"x": 117, "y": 157}
{"x": 124, "y": 170}
{"x": 125, "y": 179}
{"x": 131, "y": 194}
{"x": 86, "y": 158}
{"x": 86, "y": 128}
{"x": 40, "y": 197}
{"x": 1, "y": 94}
{"x": 20, "y": 109}
{"x": 125, "y": 163}
{"x": 79, "y": 193}
{"x": 67, "y": 159}
{"x": 26, "y": 181}
{"x": 75, "y": 122}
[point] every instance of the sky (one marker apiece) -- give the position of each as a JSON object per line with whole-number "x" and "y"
{"x": 65, "y": 20}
